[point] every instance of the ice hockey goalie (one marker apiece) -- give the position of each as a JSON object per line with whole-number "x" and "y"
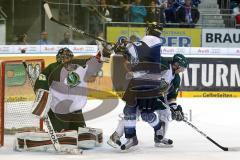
{"x": 61, "y": 93}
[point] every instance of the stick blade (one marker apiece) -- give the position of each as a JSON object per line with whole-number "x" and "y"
{"x": 47, "y": 10}
{"x": 234, "y": 149}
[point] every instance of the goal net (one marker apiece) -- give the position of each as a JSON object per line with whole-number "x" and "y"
{"x": 17, "y": 96}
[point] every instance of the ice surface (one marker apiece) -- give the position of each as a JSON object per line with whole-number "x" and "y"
{"x": 218, "y": 118}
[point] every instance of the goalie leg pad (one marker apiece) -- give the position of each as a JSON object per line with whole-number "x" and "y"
{"x": 89, "y": 137}
{"x": 40, "y": 141}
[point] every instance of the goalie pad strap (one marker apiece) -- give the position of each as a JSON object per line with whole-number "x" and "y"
{"x": 89, "y": 137}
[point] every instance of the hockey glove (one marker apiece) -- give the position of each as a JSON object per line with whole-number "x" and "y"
{"x": 177, "y": 113}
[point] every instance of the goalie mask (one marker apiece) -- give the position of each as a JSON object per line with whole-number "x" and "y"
{"x": 64, "y": 55}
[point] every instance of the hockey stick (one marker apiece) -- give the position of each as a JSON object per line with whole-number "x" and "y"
{"x": 203, "y": 134}
{"x": 50, "y": 16}
{"x": 48, "y": 123}
{"x": 210, "y": 139}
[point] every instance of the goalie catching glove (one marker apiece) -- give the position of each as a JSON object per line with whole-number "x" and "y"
{"x": 177, "y": 113}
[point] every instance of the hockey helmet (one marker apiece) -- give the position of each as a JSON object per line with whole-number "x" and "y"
{"x": 64, "y": 53}
{"x": 122, "y": 39}
{"x": 154, "y": 29}
{"x": 180, "y": 60}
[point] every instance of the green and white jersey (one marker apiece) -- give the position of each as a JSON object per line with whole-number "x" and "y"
{"x": 68, "y": 86}
{"x": 171, "y": 78}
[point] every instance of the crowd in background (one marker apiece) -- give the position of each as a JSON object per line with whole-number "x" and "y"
{"x": 22, "y": 39}
{"x": 235, "y": 6}
{"x": 170, "y": 13}
{"x": 167, "y": 12}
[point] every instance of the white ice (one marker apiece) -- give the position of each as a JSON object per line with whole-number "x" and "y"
{"x": 219, "y": 118}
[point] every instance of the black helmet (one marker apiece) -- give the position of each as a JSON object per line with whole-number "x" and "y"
{"x": 63, "y": 53}
{"x": 154, "y": 29}
{"x": 181, "y": 60}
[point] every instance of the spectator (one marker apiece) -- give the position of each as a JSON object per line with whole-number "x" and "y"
{"x": 117, "y": 10}
{"x": 137, "y": 11}
{"x": 44, "y": 39}
{"x": 94, "y": 21}
{"x": 180, "y": 2}
{"x": 104, "y": 12}
{"x": 170, "y": 11}
{"x": 236, "y": 13}
{"x": 21, "y": 39}
{"x": 66, "y": 39}
{"x": 187, "y": 15}
{"x": 195, "y": 3}
{"x": 153, "y": 13}
{"x": 98, "y": 16}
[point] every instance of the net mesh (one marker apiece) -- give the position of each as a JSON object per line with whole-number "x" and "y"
{"x": 18, "y": 117}
{"x": 18, "y": 97}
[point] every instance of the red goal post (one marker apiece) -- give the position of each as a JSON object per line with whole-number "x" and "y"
{"x": 17, "y": 96}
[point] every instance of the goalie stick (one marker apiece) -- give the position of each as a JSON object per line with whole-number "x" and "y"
{"x": 99, "y": 39}
{"x": 50, "y": 16}
{"x": 48, "y": 123}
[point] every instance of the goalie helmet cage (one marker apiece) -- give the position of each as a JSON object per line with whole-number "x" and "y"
{"x": 17, "y": 97}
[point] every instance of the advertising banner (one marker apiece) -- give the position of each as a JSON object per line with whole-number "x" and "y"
{"x": 212, "y": 74}
{"x": 16, "y": 50}
{"x": 220, "y": 37}
{"x": 177, "y": 37}
{"x": 15, "y": 75}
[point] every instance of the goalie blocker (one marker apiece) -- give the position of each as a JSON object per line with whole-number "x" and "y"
{"x": 85, "y": 138}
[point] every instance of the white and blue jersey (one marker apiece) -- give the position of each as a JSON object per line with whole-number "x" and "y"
{"x": 148, "y": 49}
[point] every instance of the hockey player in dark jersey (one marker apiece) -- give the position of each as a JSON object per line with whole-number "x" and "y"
{"x": 159, "y": 111}
{"x": 143, "y": 57}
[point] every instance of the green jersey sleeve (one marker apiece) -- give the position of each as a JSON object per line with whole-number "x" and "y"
{"x": 43, "y": 79}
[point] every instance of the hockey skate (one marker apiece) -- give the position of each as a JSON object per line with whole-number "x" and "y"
{"x": 130, "y": 143}
{"x": 164, "y": 143}
{"x": 160, "y": 141}
{"x": 114, "y": 140}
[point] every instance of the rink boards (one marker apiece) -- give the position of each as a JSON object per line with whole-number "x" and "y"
{"x": 206, "y": 76}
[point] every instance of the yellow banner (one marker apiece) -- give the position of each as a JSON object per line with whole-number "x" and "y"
{"x": 196, "y": 94}
{"x": 113, "y": 33}
{"x": 182, "y": 37}
{"x": 177, "y": 37}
